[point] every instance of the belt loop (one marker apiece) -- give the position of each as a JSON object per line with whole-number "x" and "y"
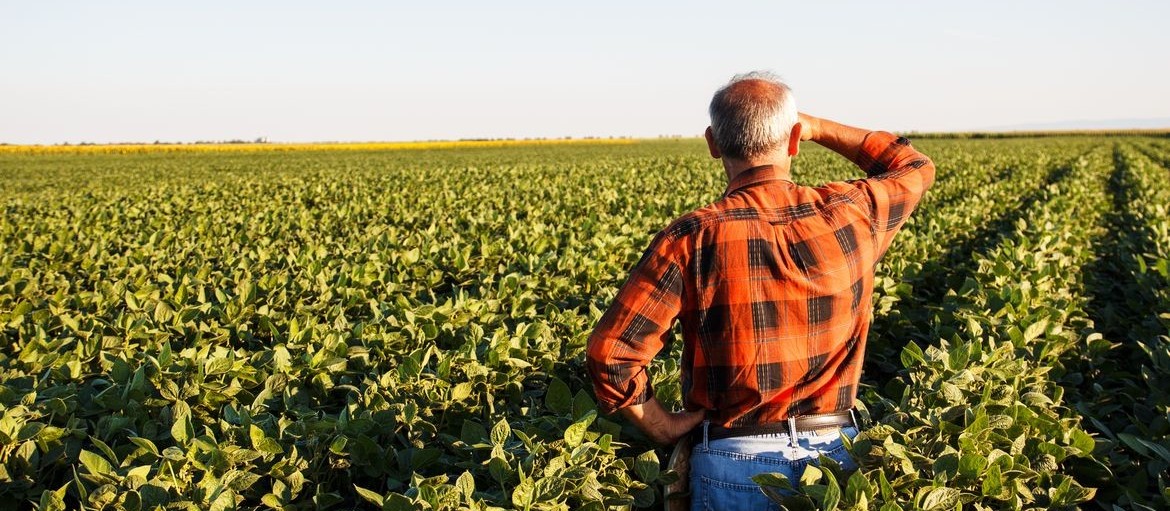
{"x": 792, "y": 431}
{"x": 706, "y": 424}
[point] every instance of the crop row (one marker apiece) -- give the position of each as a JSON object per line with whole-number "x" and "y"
{"x": 938, "y": 247}
{"x": 1125, "y": 398}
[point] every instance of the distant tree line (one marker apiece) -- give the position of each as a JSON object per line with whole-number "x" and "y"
{"x": 1037, "y": 134}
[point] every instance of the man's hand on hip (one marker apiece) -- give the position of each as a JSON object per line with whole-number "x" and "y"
{"x": 660, "y": 425}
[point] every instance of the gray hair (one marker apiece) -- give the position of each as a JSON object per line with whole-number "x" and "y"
{"x": 752, "y": 119}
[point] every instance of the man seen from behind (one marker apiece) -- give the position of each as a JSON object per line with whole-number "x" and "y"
{"x": 772, "y": 287}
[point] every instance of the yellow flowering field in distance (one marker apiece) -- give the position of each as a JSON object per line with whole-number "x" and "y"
{"x": 307, "y": 146}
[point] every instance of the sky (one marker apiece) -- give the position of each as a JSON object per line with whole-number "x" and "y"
{"x": 383, "y": 71}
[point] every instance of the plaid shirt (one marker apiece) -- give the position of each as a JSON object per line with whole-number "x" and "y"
{"x": 772, "y": 285}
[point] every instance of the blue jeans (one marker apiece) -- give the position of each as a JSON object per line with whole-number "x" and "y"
{"x": 722, "y": 470}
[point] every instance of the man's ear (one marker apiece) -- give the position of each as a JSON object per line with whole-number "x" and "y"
{"x": 710, "y": 136}
{"x": 794, "y": 139}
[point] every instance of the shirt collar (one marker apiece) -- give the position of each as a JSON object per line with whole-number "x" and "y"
{"x": 752, "y": 176}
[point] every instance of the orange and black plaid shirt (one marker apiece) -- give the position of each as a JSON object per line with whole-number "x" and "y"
{"x": 772, "y": 285}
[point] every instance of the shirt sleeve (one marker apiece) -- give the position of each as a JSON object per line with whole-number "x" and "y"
{"x": 898, "y": 177}
{"x": 634, "y": 328}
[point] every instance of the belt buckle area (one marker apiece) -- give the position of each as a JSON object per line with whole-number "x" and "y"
{"x": 824, "y": 431}
{"x": 826, "y": 423}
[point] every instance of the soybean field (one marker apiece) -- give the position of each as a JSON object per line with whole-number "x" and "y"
{"x": 404, "y": 327}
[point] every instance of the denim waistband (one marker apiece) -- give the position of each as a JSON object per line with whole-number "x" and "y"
{"x": 790, "y": 427}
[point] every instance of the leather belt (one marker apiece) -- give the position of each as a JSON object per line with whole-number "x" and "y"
{"x": 803, "y": 424}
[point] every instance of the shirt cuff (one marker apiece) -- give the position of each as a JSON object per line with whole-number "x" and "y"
{"x": 641, "y": 393}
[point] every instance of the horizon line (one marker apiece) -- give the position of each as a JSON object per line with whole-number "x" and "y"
{"x": 260, "y": 141}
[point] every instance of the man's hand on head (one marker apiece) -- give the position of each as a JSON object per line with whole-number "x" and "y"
{"x": 842, "y": 139}
{"x": 662, "y": 426}
{"x": 809, "y": 126}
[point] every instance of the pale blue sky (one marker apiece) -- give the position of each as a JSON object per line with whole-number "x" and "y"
{"x": 301, "y": 71}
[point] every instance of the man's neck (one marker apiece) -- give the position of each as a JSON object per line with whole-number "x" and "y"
{"x": 735, "y": 167}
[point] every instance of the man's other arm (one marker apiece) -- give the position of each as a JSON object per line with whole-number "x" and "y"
{"x": 628, "y": 337}
{"x": 898, "y": 175}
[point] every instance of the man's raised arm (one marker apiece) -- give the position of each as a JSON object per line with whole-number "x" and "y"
{"x": 898, "y": 175}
